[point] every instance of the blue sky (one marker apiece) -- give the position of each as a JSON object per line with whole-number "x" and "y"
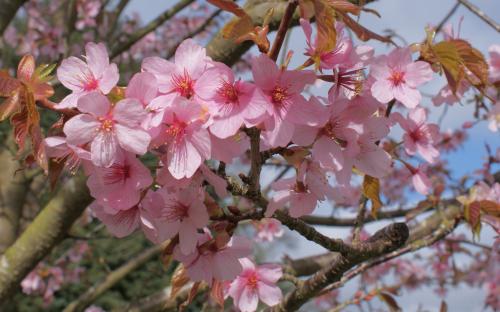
{"x": 408, "y": 19}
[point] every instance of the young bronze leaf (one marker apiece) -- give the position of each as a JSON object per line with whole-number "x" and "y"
{"x": 325, "y": 21}
{"x": 179, "y": 280}
{"x": 390, "y": 301}
{"x": 361, "y": 32}
{"x": 490, "y": 207}
{"x": 345, "y": 6}
{"x": 472, "y": 215}
{"x": 217, "y": 293}
{"x": 237, "y": 28}
{"x": 230, "y": 6}
{"x": 371, "y": 189}
{"x": 472, "y": 59}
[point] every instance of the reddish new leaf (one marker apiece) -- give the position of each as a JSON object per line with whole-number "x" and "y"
{"x": 361, "y": 32}
{"x": 390, "y": 301}
{"x": 217, "y": 293}
{"x": 230, "y": 6}
{"x": 179, "y": 280}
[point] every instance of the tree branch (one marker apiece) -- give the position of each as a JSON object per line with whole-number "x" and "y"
{"x": 8, "y": 12}
{"x": 474, "y": 9}
{"x": 139, "y": 34}
{"x": 112, "y": 278}
{"x": 48, "y": 228}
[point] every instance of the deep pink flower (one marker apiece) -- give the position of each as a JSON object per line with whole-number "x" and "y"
{"x": 285, "y": 103}
{"x": 119, "y": 186}
{"x": 419, "y": 136}
{"x": 183, "y": 139}
{"x": 179, "y": 212}
{"x": 209, "y": 262}
{"x": 179, "y": 77}
{"x": 254, "y": 283}
{"x": 397, "y": 76}
{"x": 97, "y": 74}
{"x": 109, "y": 128}
{"x": 231, "y": 103}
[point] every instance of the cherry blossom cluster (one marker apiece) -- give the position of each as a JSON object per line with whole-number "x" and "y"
{"x": 192, "y": 113}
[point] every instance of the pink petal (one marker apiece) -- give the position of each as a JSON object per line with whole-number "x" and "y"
{"x": 310, "y": 113}
{"x": 129, "y": 112}
{"x": 302, "y": 204}
{"x": 104, "y": 149}
{"x": 183, "y": 160}
{"x": 328, "y": 153}
{"x": 191, "y": 57}
{"x": 198, "y": 214}
{"x": 281, "y": 135}
{"x": 226, "y": 127}
{"x": 269, "y": 294}
{"x": 162, "y": 70}
{"x": 304, "y": 135}
{"x": 97, "y": 58}
{"x": 418, "y": 115}
{"x": 418, "y": 73}
{"x": 219, "y": 184}
{"x": 94, "y": 103}
{"x": 109, "y": 79}
{"x": 421, "y": 183}
{"x": 132, "y": 140}
{"x": 376, "y": 163}
{"x": 201, "y": 141}
{"x": 120, "y": 224}
{"x": 187, "y": 237}
{"x": 381, "y": 90}
{"x": 248, "y": 300}
{"x": 143, "y": 87}
{"x": 265, "y": 72}
{"x": 410, "y": 97}
{"x": 72, "y": 73}
{"x": 70, "y": 100}
{"x": 81, "y": 129}
{"x": 270, "y": 273}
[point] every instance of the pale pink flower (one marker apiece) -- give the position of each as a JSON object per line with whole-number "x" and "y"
{"x": 97, "y": 74}
{"x": 232, "y": 103}
{"x": 142, "y": 87}
{"x": 268, "y": 229}
{"x": 210, "y": 262}
{"x": 182, "y": 138}
{"x": 327, "y": 59}
{"x": 346, "y": 195}
{"x": 119, "y": 186}
{"x": 109, "y": 127}
{"x": 254, "y": 283}
{"x": 494, "y": 62}
{"x": 179, "y": 77}
{"x": 419, "y": 136}
{"x": 446, "y": 96}
{"x": 179, "y": 212}
{"x": 419, "y": 178}
{"x": 301, "y": 200}
{"x": 285, "y": 103}
{"x": 227, "y": 150}
{"x": 397, "y": 76}
{"x": 32, "y": 283}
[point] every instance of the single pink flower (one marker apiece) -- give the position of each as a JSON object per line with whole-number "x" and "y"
{"x": 109, "y": 127}
{"x": 419, "y": 136}
{"x": 327, "y": 59}
{"x": 97, "y": 74}
{"x": 210, "y": 262}
{"x": 285, "y": 103}
{"x": 183, "y": 139}
{"x": 119, "y": 186}
{"x": 397, "y": 76}
{"x": 254, "y": 283}
{"x": 58, "y": 148}
{"x": 268, "y": 229}
{"x": 227, "y": 150}
{"x": 179, "y": 77}
{"x": 232, "y": 103}
{"x": 142, "y": 87}
{"x": 419, "y": 178}
{"x": 179, "y": 212}
{"x": 300, "y": 198}
{"x": 494, "y": 117}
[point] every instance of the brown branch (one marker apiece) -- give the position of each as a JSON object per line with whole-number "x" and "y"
{"x": 48, "y": 229}
{"x": 282, "y": 29}
{"x": 8, "y": 11}
{"x": 474, "y": 9}
{"x": 112, "y": 278}
{"x": 157, "y": 22}
{"x": 117, "y": 12}
{"x": 256, "y": 162}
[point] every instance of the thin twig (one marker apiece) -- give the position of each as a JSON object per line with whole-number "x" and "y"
{"x": 283, "y": 28}
{"x": 474, "y": 9}
{"x": 447, "y": 17}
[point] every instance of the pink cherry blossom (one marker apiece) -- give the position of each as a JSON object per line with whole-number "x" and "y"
{"x": 109, "y": 128}
{"x": 397, "y": 76}
{"x": 97, "y": 74}
{"x": 327, "y": 59}
{"x": 179, "y": 77}
{"x": 301, "y": 200}
{"x": 419, "y": 178}
{"x": 179, "y": 212}
{"x": 231, "y": 103}
{"x": 268, "y": 229}
{"x": 494, "y": 62}
{"x": 183, "y": 138}
{"x": 419, "y": 136}
{"x": 285, "y": 103}
{"x": 120, "y": 223}
{"x": 210, "y": 262}
{"x": 494, "y": 117}
{"x": 254, "y": 283}
{"x": 119, "y": 186}
{"x": 58, "y": 148}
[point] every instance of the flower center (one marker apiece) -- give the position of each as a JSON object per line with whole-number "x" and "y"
{"x": 252, "y": 280}
{"x": 183, "y": 84}
{"x": 229, "y": 92}
{"x": 90, "y": 84}
{"x": 115, "y": 174}
{"x": 397, "y": 78}
{"x": 175, "y": 212}
{"x": 107, "y": 124}
{"x": 278, "y": 95}
{"x": 176, "y": 130}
